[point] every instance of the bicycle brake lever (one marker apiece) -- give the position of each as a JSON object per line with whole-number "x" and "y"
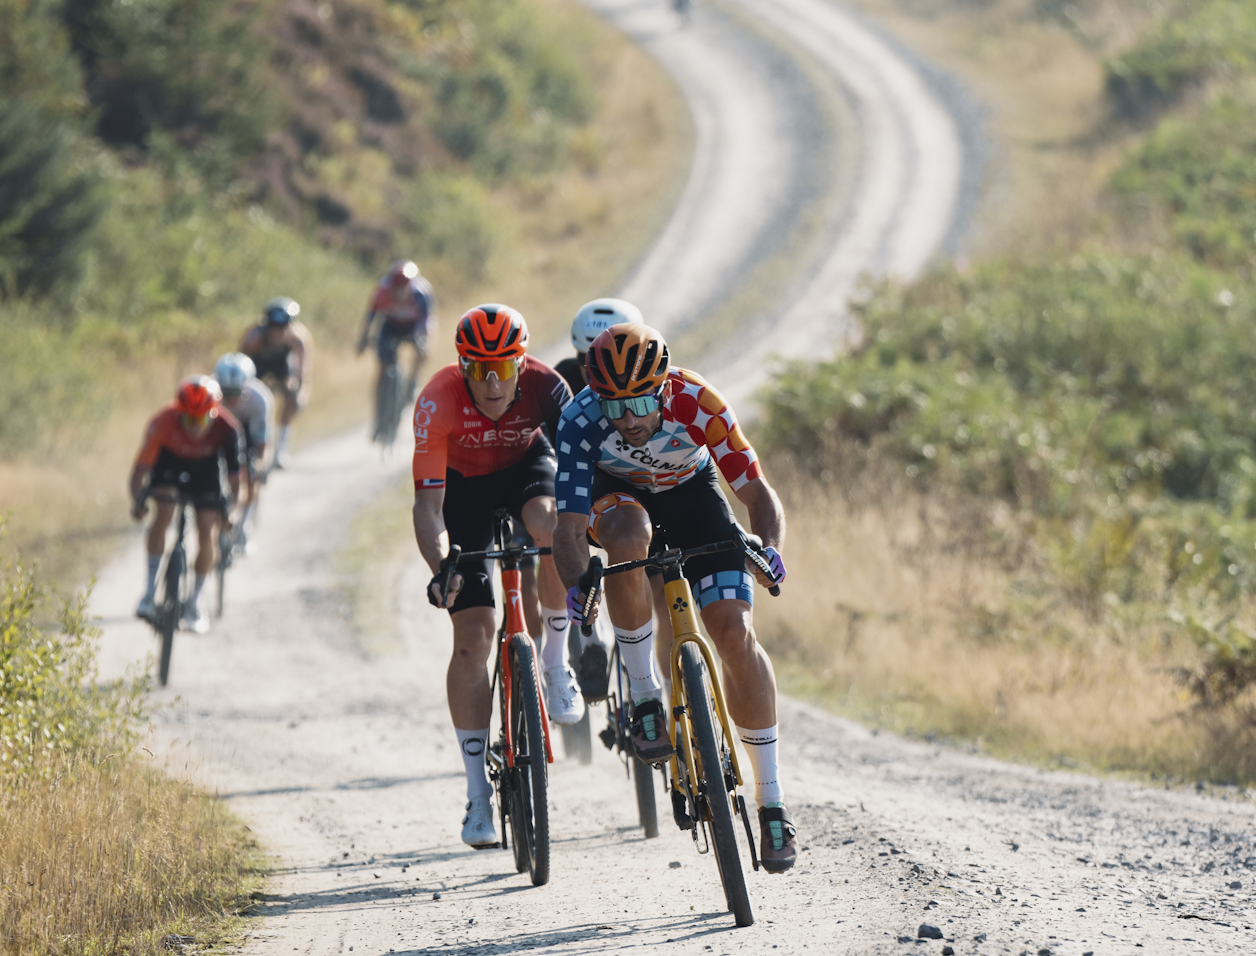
{"x": 448, "y": 566}
{"x": 753, "y": 546}
{"x": 591, "y": 584}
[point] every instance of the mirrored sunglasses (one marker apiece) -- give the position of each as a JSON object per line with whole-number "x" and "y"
{"x": 616, "y": 408}
{"x": 479, "y": 371}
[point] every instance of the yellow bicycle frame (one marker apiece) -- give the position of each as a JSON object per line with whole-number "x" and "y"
{"x": 680, "y": 606}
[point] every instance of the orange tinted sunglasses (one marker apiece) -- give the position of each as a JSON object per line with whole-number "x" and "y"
{"x": 479, "y": 371}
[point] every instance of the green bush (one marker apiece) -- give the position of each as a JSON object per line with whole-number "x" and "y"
{"x": 50, "y": 703}
{"x": 49, "y": 204}
{"x": 1199, "y": 172}
{"x": 1193, "y": 43}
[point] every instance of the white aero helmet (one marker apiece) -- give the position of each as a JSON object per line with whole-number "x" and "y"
{"x": 233, "y": 370}
{"x": 598, "y": 315}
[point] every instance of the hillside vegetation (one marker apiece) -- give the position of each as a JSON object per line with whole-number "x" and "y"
{"x": 1069, "y": 440}
{"x": 166, "y": 166}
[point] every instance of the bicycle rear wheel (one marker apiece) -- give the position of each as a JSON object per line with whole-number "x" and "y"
{"x": 529, "y": 813}
{"x": 169, "y": 611}
{"x": 647, "y": 810}
{"x": 713, "y": 794}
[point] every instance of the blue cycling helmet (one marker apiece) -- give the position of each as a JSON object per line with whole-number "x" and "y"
{"x": 281, "y": 310}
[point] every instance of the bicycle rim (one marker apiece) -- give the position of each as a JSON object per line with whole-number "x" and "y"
{"x": 532, "y": 826}
{"x": 711, "y": 784}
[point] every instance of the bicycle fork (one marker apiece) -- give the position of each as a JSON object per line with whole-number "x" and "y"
{"x": 685, "y": 630}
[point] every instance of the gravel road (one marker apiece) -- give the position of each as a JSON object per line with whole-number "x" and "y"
{"x": 332, "y": 738}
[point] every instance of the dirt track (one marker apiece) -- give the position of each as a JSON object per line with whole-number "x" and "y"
{"x": 343, "y": 760}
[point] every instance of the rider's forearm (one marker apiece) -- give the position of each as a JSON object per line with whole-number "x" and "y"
{"x": 767, "y": 517}
{"x": 138, "y": 476}
{"x": 429, "y": 526}
{"x": 571, "y": 549}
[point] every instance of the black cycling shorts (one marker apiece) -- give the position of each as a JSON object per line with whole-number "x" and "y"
{"x": 197, "y": 480}
{"x": 693, "y": 513}
{"x": 469, "y": 507}
{"x": 392, "y": 334}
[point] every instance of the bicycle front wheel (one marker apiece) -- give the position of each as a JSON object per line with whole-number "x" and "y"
{"x": 529, "y": 816}
{"x": 388, "y": 405}
{"x": 171, "y": 608}
{"x": 713, "y": 794}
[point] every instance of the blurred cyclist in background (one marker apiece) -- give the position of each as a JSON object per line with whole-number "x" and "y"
{"x": 253, "y": 405}
{"x": 282, "y": 349}
{"x": 591, "y": 319}
{"x": 187, "y": 446}
{"x": 403, "y": 302}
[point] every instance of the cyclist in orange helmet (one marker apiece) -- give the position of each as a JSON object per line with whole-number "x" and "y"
{"x": 640, "y": 452}
{"x": 403, "y": 302}
{"x": 185, "y": 446}
{"x": 481, "y": 442}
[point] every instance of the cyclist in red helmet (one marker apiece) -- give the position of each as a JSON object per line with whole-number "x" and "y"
{"x": 404, "y": 305}
{"x": 481, "y": 442}
{"x": 186, "y": 446}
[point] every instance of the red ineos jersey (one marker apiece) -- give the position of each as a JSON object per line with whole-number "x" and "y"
{"x": 451, "y": 433}
{"x": 224, "y": 436}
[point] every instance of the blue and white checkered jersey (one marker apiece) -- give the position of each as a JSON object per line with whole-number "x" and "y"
{"x": 586, "y": 440}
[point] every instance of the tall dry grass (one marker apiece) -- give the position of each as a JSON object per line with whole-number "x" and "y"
{"x": 913, "y": 613}
{"x": 113, "y": 857}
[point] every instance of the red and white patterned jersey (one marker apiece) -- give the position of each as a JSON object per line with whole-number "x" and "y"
{"x": 697, "y": 425}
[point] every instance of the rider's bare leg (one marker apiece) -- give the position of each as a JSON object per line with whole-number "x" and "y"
{"x": 467, "y": 682}
{"x": 163, "y": 513}
{"x": 540, "y": 516}
{"x": 749, "y": 681}
{"x": 625, "y": 534}
{"x": 206, "y": 540}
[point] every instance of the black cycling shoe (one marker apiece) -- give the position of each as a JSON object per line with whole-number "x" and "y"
{"x": 648, "y": 730}
{"x": 680, "y": 811}
{"x": 593, "y": 672}
{"x": 778, "y": 840}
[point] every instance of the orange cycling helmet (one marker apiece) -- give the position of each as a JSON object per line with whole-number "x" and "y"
{"x": 627, "y": 360}
{"x": 198, "y": 396}
{"x": 490, "y": 333}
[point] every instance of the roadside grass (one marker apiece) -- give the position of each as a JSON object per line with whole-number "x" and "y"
{"x": 109, "y": 855}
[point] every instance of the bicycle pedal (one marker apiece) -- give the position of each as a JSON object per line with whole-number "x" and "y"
{"x": 608, "y": 737}
{"x": 488, "y": 846}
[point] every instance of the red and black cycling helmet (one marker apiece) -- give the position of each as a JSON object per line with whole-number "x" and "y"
{"x": 627, "y": 360}
{"x": 198, "y": 396}
{"x": 401, "y": 272}
{"x": 491, "y": 333}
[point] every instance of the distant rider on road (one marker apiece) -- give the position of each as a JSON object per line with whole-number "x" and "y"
{"x": 403, "y": 302}
{"x": 186, "y": 447}
{"x": 246, "y": 397}
{"x": 282, "y": 349}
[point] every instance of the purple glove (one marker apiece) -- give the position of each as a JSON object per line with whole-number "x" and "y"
{"x": 775, "y": 564}
{"x": 575, "y": 608}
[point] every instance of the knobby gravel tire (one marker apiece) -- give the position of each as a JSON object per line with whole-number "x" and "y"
{"x": 169, "y": 612}
{"x": 530, "y": 819}
{"x": 647, "y": 809}
{"x": 711, "y": 784}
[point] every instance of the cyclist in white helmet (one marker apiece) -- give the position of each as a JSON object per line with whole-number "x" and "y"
{"x": 592, "y": 664}
{"x": 590, "y": 320}
{"x": 253, "y": 405}
{"x": 282, "y": 349}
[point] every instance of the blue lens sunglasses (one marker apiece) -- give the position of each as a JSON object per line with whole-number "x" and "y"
{"x": 616, "y": 408}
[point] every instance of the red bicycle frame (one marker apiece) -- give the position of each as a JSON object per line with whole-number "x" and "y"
{"x": 512, "y": 588}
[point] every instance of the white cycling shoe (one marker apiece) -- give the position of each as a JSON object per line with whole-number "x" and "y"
{"x": 478, "y": 829}
{"x": 194, "y": 619}
{"x": 562, "y": 696}
{"x": 147, "y": 610}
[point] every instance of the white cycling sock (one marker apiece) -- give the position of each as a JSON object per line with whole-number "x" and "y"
{"x": 196, "y": 591}
{"x": 761, "y": 750}
{"x": 554, "y": 653}
{"x": 636, "y": 650}
{"x": 472, "y": 744}
{"x": 154, "y": 562}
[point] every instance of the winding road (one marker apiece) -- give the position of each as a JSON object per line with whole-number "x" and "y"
{"x": 316, "y": 705}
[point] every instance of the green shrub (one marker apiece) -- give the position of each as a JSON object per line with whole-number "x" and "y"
{"x": 1193, "y": 43}
{"x": 36, "y": 65}
{"x": 50, "y": 705}
{"x": 49, "y": 204}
